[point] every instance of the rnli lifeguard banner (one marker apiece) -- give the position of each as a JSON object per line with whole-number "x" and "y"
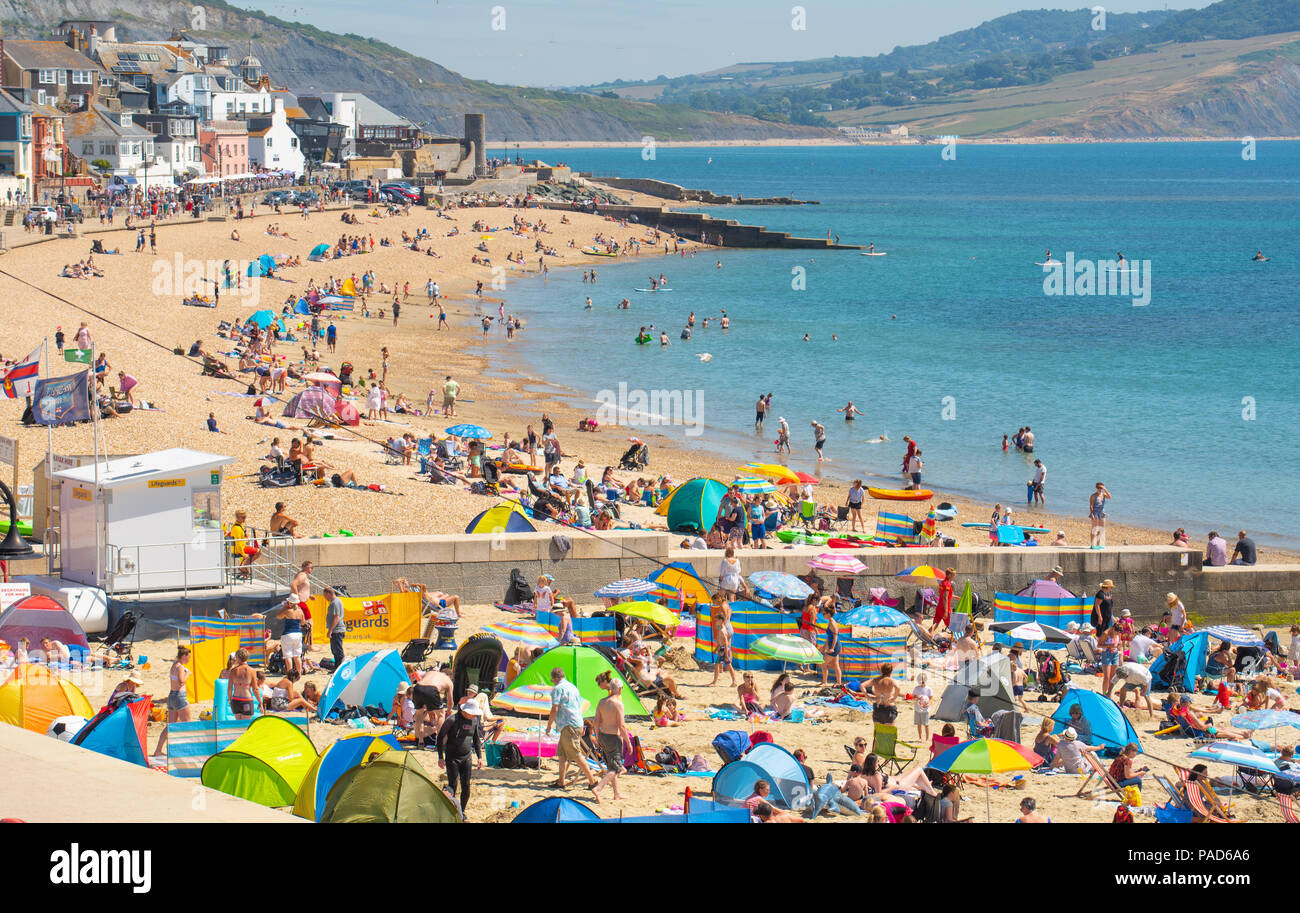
{"x": 391, "y": 618}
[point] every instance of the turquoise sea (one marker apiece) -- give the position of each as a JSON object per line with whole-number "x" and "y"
{"x": 1188, "y": 408}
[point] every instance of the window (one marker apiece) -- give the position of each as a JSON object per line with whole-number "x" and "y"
{"x": 87, "y": 148}
{"x": 124, "y": 149}
{"x": 106, "y": 149}
{"x": 268, "y": 142}
{"x": 106, "y": 82}
{"x": 63, "y": 77}
{"x": 83, "y": 78}
{"x": 293, "y": 143}
{"x": 77, "y": 100}
{"x": 40, "y": 96}
{"x": 48, "y": 77}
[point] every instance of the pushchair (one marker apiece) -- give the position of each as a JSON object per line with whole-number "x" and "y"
{"x": 1052, "y": 679}
{"x": 637, "y": 457}
{"x": 119, "y": 641}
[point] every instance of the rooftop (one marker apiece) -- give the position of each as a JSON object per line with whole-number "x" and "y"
{"x": 126, "y": 470}
{"x": 46, "y": 55}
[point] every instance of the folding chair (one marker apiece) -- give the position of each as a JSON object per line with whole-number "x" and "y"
{"x": 1288, "y": 810}
{"x": 885, "y": 744}
{"x": 1174, "y": 799}
{"x": 1203, "y": 800}
{"x": 1102, "y": 776}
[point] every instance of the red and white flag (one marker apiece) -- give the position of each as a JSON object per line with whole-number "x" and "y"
{"x": 21, "y": 378}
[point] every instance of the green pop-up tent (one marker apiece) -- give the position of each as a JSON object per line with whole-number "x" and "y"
{"x": 581, "y": 665}
{"x": 265, "y": 765}
{"x": 389, "y": 788}
{"x": 694, "y": 505}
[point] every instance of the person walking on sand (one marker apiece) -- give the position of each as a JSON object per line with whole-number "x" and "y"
{"x": 831, "y": 652}
{"x": 611, "y": 737}
{"x": 943, "y": 610}
{"x": 819, "y": 438}
{"x": 566, "y": 713}
{"x": 460, "y": 739}
{"x": 857, "y": 495}
{"x": 720, "y": 622}
{"x": 1097, "y": 515}
{"x": 450, "y": 390}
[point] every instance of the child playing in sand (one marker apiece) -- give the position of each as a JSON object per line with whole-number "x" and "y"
{"x": 922, "y": 693}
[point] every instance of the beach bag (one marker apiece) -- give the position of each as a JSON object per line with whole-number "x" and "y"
{"x": 672, "y": 760}
{"x": 699, "y": 763}
{"x": 511, "y": 757}
{"x": 1133, "y": 796}
{"x": 275, "y": 662}
{"x": 561, "y": 543}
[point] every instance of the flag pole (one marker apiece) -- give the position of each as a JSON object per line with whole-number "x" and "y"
{"x": 49, "y": 480}
{"x": 94, "y": 415}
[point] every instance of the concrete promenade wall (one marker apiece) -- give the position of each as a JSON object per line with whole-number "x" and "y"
{"x": 478, "y": 567}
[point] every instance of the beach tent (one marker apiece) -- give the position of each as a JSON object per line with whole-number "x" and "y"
{"x": 319, "y": 252}
{"x": 734, "y": 783}
{"x": 302, "y": 307}
{"x": 1110, "y": 727}
{"x": 368, "y": 680}
{"x": 1055, "y": 611}
{"x": 119, "y": 731}
{"x": 261, "y": 266}
{"x": 261, "y": 319}
{"x": 34, "y": 697}
{"x": 35, "y": 617}
{"x": 506, "y": 517}
{"x": 694, "y": 505}
{"x": 581, "y": 665}
{"x": 340, "y": 757}
{"x": 265, "y": 765}
{"x": 990, "y": 675}
{"x": 682, "y": 577}
{"x": 1046, "y": 589}
{"x": 313, "y": 402}
{"x": 1195, "y": 648}
{"x": 555, "y": 810}
{"x": 390, "y": 788}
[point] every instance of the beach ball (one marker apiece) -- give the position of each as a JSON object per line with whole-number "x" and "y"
{"x": 65, "y": 728}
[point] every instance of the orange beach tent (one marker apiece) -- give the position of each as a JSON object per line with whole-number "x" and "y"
{"x": 34, "y": 697}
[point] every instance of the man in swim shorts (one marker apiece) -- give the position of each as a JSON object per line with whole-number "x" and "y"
{"x": 431, "y": 696}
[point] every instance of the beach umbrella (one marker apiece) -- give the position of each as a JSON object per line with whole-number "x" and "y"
{"x": 652, "y": 612}
{"x": 1241, "y": 637}
{"x": 873, "y": 616}
{"x": 532, "y": 700}
{"x": 622, "y": 589}
{"x": 780, "y": 585}
{"x": 922, "y": 573}
{"x": 525, "y": 631}
{"x": 985, "y": 756}
{"x": 781, "y": 474}
{"x": 476, "y": 432}
{"x": 1266, "y": 719}
{"x": 321, "y": 377}
{"x": 789, "y": 648}
{"x": 837, "y": 564}
{"x": 808, "y": 479}
{"x": 753, "y": 486}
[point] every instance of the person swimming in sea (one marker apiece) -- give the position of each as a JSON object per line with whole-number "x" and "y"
{"x": 588, "y": 307}
{"x": 1259, "y": 255}
{"x": 663, "y": 339}
{"x": 726, "y": 321}
{"x": 690, "y": 321}
{"x": 805, "y": 338}
{"x": 850, "y": 410}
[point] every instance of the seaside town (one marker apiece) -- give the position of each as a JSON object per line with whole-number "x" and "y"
{"x": 300, "y": 514}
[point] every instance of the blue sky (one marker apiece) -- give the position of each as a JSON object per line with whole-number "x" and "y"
{"x": 573, "y": 42}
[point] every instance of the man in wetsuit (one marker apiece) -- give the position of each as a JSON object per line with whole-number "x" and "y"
{"x": 459, "y": 738}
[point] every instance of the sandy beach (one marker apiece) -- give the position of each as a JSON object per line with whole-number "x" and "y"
{"x": 135, "y": 316}
{"x": 821, "y": 736}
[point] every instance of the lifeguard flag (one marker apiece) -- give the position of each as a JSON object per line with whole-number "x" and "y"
{"x": 81, "y": 356}
{"x": 21, "y": 379}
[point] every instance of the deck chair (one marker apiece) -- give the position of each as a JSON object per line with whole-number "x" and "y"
{"x": 638, "y": 761}
{"x": 1174, "y": 798}
{"x": 1103, "y": 777}
{"x": 1288, "y": 810}
{"x": 893, "y": 751}
{"x": 941, "y": 743}
{"x": 1203, "y": 800}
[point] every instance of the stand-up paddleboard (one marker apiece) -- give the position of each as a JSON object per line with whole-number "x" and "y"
{"x": 1260, "y": 259}
{"x": 1049, "y": 263}
{"x": 879, "y": 253}
{"x": 654, "y": 290}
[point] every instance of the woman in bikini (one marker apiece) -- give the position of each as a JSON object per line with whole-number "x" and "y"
{"x": 178, "y": 704}
{"x": 831, "y": 652}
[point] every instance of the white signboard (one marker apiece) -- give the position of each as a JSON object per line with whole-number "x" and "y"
{"x": 60, "y": 463}
{"x": 8, "y": 450}
{"x": 12, "y": 592}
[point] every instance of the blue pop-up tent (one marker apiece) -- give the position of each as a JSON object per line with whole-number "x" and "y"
{"x": 555, "y": 810}
{"x": 1110, "y": 727}
{"x": 319, "y": 252}
{"x": 1195, "y": 648}
{"x": 261, "y": 266}
{"x": 262, "y": 319}
{"x": 119, "y": 731}
{"x": 368, "y": 680}
{"x": 765, "y": 761}
{"x": 301, "y": 307}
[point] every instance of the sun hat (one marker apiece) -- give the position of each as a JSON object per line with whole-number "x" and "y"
{"x": 1185, "y": 699}
{"x": 1171, "y": 598}
{"x": 1126, "y": 614}
{"x": 135, "y": 678}
{"x": 403, "y": 687}
{"x": 1107, "y": 584}
{"x": 1070, "y": 734}
{"x": 1087, "y": 628}
{"x": 470, "y": 708}
{"x": 1057, "y": 568}
{"x": 1072, "y": 626}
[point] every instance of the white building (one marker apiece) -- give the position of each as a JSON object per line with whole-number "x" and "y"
{"x": 114, "y": 137}
{"x": 272, "y": 144}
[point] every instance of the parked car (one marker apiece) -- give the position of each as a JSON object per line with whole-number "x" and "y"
{"x": 71, "y": 212}
{"x": 276, "y": 197}
{"x": 404, "y": 192}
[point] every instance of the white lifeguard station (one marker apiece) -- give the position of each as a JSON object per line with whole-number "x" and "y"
{"x": 145, "y": 523}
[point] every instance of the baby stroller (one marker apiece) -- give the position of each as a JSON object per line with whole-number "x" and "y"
{"x": 345, "y": 374}
{"x": 1052, "y": 679}
{"x": 637, "y": 457}
{"x": 119, "y": 641}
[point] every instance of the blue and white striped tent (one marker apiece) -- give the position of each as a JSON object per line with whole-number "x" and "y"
{"x": 368, "y": 680}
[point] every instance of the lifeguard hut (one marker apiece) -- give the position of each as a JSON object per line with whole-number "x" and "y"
{"x": 144, "y": 523}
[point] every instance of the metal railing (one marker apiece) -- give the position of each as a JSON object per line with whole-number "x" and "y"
{"x": 217, "y": 566}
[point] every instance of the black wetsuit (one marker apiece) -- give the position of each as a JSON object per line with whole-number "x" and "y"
{"x": 459, "y": 740}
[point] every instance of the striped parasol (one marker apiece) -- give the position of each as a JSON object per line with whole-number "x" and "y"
{"x": 524, "y": 631}
{"x": 782, "y": 475}
{"x": 922, "y": 573}
{"x": 984, "y": 756}
{"x": 531, "y": 700}
{"x": 789, "y": 648}
{"x": 621, "y": 589}
{"x": 754, "y": 486}
{"x": 780, "y": 585}
{"x": 837, "y": 564}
